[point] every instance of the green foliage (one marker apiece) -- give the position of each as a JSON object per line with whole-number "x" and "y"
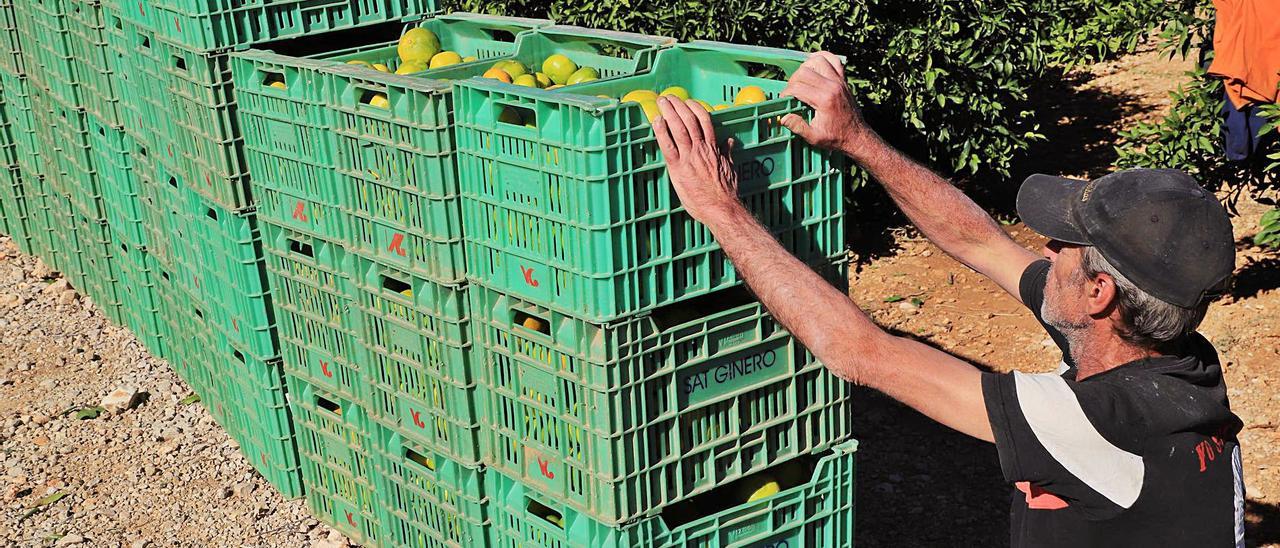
{"x": 945, "y": 80}
{"x": 1088, "y": 31}
{"x": 1270, "y": 233}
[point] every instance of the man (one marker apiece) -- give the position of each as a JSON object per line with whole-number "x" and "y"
{"x": 1132, "y": 442}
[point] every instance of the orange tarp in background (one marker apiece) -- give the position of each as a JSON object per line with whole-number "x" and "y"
{"x": 1246, "y": 44}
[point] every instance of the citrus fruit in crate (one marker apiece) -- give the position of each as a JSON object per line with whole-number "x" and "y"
{"x": 750, "y": 95}
{"x": 677, "y": 91}
{"x": 584, "y": 74}
{"x": 418, "y": 44}
{"x": 559, "y": 68}
{"x": 444, "y": 59}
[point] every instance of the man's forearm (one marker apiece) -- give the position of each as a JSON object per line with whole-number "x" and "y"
{"x": 841, "y": 335}
{"x": 937, "y": 208}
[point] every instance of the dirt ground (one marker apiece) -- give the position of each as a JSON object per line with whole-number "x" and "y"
{"x": 163, "y": 474}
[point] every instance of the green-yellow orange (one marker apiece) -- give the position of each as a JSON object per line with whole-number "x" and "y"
{"x": 512, "y": 67}
{"x": 584, "y": 74}
{"x": 526, "y": 80}
{"x": 559, "y": 68}
{"x": 704, "y": 104}
{"x": 640, "y": 95}
{"x": 360, "y": 62}
{"x": 650, "y": 110}
{"x": 497, "y": 74}
{"x": 380, "y": 101}
{"x": 677, "y": 91}
{"x": 544, "y": 81}
{"x": 750, "y": 95}
{"x": 410, "y": 67}
{"x": 769, "y": 489}
{"x": 469, "y": 59}
{"x": 418, "y": 44}
{"x": 444, "y": 59}
{"x": 381, "y": 67}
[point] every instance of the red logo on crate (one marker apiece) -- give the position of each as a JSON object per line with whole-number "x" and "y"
{"x": 528, "y": 276}
{"x": 351, "y": 520}
{"x": 299, "y": 213}
{"x": 207, "y": 180}
{"x": 417, "y": 419}
{"x": 544, "y": 467}
{"x": 170, "y": 148}
{"x": 177, "y": 23}
{"x": 235, "y": 324}
{"x": 141, "y": 10}
{"x": 324, "y": 368}
{"x": 397, "y": 242}
{"x": 263, "y": 457}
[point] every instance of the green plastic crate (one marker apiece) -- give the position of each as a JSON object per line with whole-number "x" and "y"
{"x": 44, "y": 28}
{"x": 114, "y": 153}
{"x": 414, "y": 349}
{"x": 426, "y": 498}
{"x": 577, "y": 212}
{"x": 16, "y": 208}
{"x": 139, "y": 83}
{"x": 396, "y": 170}
{"x": 97, "y": 75}
{"x": 622, "y": 419}
{"x": 19, "y": 110}
{"x": 231, "y": 272}
{"x": 100, "y": 276}
{"x": 142, "y": 305}
{"x": 11, "y": 57}
{"x": 817, "y": 513}
{"x": 63, "y": 241}
{"x": 161, "y": 198}
{"x": 40, "y": 222}
{"x": 65, "y": 134}
{"x": 335, "y": 442}
{"x": 311, "y": 295}
{"x": 205, "y": 25}
{"x": 202, "y": 138}
{"x": 258, "y": 415}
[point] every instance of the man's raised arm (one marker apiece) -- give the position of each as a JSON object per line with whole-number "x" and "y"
{"x": 938, "y": 209}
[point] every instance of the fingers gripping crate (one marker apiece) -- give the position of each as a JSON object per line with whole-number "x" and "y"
{"x": 205, "y": 25}
{"x": 415, "y": 350}
{"x": 620, "y": 420}
{"x": 573, "y": 208}
{"x": 428, "y": 499}
{"x": 335, "y": 442}
{"x": 815, "y": 507}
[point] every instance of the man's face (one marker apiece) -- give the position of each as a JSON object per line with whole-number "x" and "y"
{"x": 1064, "y": 294}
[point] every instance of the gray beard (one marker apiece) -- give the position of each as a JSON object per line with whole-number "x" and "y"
{"x": 1074, "y": 331}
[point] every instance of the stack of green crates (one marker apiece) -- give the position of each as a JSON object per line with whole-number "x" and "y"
{"x": 174, "y": 98}
{"x": 633, "y": 393}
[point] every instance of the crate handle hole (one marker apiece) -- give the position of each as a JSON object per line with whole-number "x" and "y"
{"x": 763, "y": 70}
{"x": 373, "y": 98}
{"x": 517, "y": 116}
{"x": 198, "y": 313}
{"x": 179, "y": 63}
{"x": 274, "y": 80}
{"x": 545, "y": 512}
{"x": 301, "y": 248}
{"x": 423, "y": 460}
{"x": 211, "y": 213}
{"x": 239, "y": 356}
{"x": 173, "y": 182}
{"x": 329, "y": 405}
{"x": 532, "y": 323}
{"x": 397, "y": 286}
{"x": 500, "y": 35}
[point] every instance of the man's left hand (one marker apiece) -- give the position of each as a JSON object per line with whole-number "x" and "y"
{"x": 700, "y": 167}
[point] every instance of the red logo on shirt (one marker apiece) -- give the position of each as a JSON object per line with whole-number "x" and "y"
{"x": 1208, "y": 450}
{"x": 1039, "y": 499}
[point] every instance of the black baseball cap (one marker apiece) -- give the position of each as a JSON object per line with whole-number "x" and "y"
{"x": 1157, "y": 227}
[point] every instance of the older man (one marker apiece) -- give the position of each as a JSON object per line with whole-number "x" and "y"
{"x": 1132, "y": 442}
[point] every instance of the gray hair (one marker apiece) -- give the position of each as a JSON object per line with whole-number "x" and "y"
{"x": 1148, "y": 321}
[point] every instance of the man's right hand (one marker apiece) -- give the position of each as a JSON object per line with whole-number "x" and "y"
{"x": 837, "y": 123}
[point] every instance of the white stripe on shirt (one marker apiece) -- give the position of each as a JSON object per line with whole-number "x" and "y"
{"x": 1059, "y": 423}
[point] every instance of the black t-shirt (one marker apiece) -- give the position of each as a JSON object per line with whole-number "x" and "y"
{"x": 1141, "y": 455}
